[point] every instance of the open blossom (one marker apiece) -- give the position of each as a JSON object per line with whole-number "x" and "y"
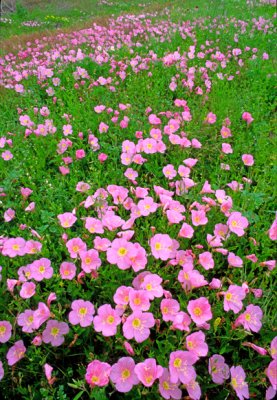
{"x": 139, "y": 300}
{"x": 169, "y": 309}
{"x": 82, "y": 313}
{"x": 196, "y": 344}
{"x": 233, "y": 298}
{"x": 41, "y": 269}
{"x": 234, "y": 261}
{"x": 137, "y": 326}
{"x": 16, "y": 352}
{"x": 67, "y": 270}
{"x": 148, "y": 371}
{"x": 67, "y": 219}
{"x": 206, "y": 260}
{"x": 40, "y": 315}
{"x": 273, "y": 348}
{"x": 90, "y": 260}
{"x": 123, "y": 375}
{"x": 107, "y": 320}
{"x": 75, "y": 246}
{"x": 181, "y": 366}
{"x": 14, "y": 247}
{"x": 97, "y": 373}
{"x": 162, "y": 246}
{"x": 238, "y": 382}
{"x": 167, "y": 389}
{"x": 200, "y": 310}
{"x": 54, "y": 332}
{"x": 237, "y": 223}
{"x": 251, "y": 318}
{"x": 246, "y": 116}
{"x": 152, "y": 285}
{"x": 198, "y": 217}
{"x": 218, "y": 369}
{"x": 181, "y": 321}
{"x": 5, "y": 331}
{"x": 248, "y": 160}
{"x": 272, "y": 233}
{"x": 26, "y": 320}
{"x": 121, "y": 253}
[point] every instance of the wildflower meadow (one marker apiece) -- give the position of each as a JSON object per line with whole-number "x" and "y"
{"x": 138, "y": 218}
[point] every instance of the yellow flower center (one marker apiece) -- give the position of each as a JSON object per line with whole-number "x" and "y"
{"x": 190, "y": 344}
{"x": 41, "y": 269}
{"x": 137, "y": 301}
{"x": 15, "y": 247}
{"x": 125, "y": 374}
{"x": 2, "y": 330}
{"x": 234, "y": 383}
{"x": 136, "y": 323}
{"x": 87, "y": 260}
{"x": 149, "y": 379}
{"x": 234, "y": 223}
{"x": 229, "y": 296}
{"x": 94, "y": 379}
{"x": 158, "y": 246}
{"x": 177, "y": 363}
{"x": 55, "y": 331}
{"x": 148, "y": 286}
{"x": 247, "y": 317}
{"x": 165, "y": 310}
{"x": 110, "y": 319}
{"x": 122, "y": 251}
{"x": 197, "y": 311}
{"x": 165, "y": 385}
{"x": 75, "y": 248}
{"x": 83, "y": 311}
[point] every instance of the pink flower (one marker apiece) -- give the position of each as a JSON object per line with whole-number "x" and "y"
{"x": 80, "y": 154}
{"x": 186, "y": 231}
{"x": 90, "y": 260}
{"x": 106, "y": 321}
{"x": 169, "y": 309}
{"x": 181, "y": 366}
{"x": 75, "y": 246}
{"x": 246, "y": 116}
{"x": 41, "y": 269}
{"x": 48, "y": 373}
{"x": 67, "y": 219}
{"x": 167, "y": 389}
{"x": 218, "y": 370}
{"x": 198, "y": 217}
{"x": 237, "y": 223}
{"x": 68, "y": 270}
{"x": 9, "y": 215}
{"x": 27, "y": 291}
{"x": 272, "y": 233}
{"x": 169, "y": 171}
{"x": 211, "y": 118}
{"x": 102, "y": 157}
{"x": 1, "y": 371}
{"x": 16, "y": 352}
{"x": 238, "y": 382}
{"x": 128, "y": 348}
{"x": 5, "y": 331}
{"x": 54, "y": 332}
{"x": 147, "y": 206}
{"x": 26, "y": 320}
{"x": 82, "y": 313}
{"x": 196, "y": 344}
{"x": 103, "y": 128}
{"x": 139, "y": 300}
{"x": 94, "y": 225}
{"x": 271, "y": 373}
{"x": 200, "y": 310}
{"x": 248, "y": 160}
{"x": 123, "y": 375}
{"x": 234, "y": 261}
{"x": 97, "y": 373}
{"x": 148, "y": 371}
{"x": 251, "y": 318}
{"x": 233, "y": 297}
{"x": 273, "y": 348}
{"x": 181, "y": 321}
{"x": 152, "y": 285}
{"x": 120, "y": 253}
{"x": 137, "y": 326}
{"x": 40, "y": 315}
{"x": 227, "y": 148}
{"x": 258, "y": 349}
{"x": 270, "y": 393}
{"x": 7, "y": 155}
{"x": 161, "y": 246}
{"x": 14, "y": 247}
{"x": 206, "y": 260}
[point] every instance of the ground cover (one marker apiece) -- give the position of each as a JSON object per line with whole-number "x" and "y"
{"x": 138, "y": 219}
